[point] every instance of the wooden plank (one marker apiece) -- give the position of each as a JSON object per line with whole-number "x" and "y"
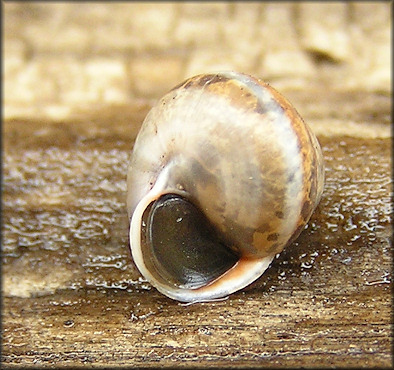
{"x": 72, "y": 296}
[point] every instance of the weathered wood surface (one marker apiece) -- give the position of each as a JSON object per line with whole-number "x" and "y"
{"x": 72, "y": 296}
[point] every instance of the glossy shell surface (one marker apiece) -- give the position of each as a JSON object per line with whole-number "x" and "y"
{"x": 237, "y": 150}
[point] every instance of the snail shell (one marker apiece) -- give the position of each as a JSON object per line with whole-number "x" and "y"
{"x": 224, "y": 174}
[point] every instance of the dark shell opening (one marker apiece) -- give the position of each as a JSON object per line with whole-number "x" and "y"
{"x": 181, "y": 247}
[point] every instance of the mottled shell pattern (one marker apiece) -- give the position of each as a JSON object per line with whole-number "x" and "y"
{"x": 238, "y": 151}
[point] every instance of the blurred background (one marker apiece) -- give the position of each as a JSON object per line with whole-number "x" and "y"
{"x": 78, "y": 80}
{"x": 62, "y": 56}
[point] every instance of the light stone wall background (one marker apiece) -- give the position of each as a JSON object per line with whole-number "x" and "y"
{"x": 59, "y": 57}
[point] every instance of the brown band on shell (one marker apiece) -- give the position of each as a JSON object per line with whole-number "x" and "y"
{"x": 309, "y": 160}
{"x": 237, "y": 93}
{"x": 207, "y": 80}
{"x": 203, "y": 80}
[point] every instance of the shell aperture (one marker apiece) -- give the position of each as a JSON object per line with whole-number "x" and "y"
{"x": 184, "y": 248}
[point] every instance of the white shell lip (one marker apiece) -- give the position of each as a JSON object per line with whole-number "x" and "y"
{"x": 243, "y": 273}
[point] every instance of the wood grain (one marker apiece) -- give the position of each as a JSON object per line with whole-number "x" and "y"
{"x": 72, "y": 296}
